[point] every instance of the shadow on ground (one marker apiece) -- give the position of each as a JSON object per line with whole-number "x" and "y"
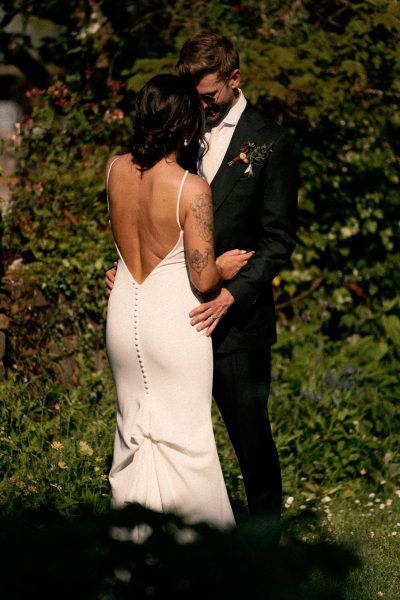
{"x": 91, "y": 556}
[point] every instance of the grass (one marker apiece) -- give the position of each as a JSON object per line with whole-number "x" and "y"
{"x": 367, "y": 523}
{"x": 372, "y": 526}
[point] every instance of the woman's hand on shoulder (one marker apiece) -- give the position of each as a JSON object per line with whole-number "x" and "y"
{"x": 232, "y": 261}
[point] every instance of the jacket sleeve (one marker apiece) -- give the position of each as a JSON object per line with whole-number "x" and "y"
{"x": 279, "y": 221}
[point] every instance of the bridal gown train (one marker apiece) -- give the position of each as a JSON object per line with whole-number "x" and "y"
{"x": 165, "y": 456}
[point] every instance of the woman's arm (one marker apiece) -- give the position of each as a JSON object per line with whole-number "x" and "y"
{"x": 206, "y": 272}
{"x": 198, "y": 235}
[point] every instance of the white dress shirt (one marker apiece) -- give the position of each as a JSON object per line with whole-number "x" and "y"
{"x": 218, "y": 139}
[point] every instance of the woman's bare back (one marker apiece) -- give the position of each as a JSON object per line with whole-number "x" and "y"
{"x": 143, "y": 212}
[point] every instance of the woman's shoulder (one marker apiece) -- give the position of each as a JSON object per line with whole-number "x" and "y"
{"x": 196, "y": 191}
{"x": 197, "y": 184}
{"x": 117, "y": 162}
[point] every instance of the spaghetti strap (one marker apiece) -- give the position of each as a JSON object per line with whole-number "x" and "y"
{"x": 179, "y": 199}
{"x": 107, "y": 178}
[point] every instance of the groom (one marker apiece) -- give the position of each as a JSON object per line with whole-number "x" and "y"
{"x": 252, "y": 171}
{"x": 255, "y": 202}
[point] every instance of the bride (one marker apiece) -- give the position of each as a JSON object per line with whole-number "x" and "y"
{"x": 165, "y": 456}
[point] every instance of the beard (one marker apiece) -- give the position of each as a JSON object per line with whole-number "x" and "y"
{"x": 214, "y": 113}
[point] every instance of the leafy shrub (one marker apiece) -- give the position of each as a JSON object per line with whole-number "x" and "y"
{"x": 58, "y": 225}
{"x": 334, "y": 410}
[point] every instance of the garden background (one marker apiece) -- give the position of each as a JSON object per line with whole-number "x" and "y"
{"x": 327, "y": 71}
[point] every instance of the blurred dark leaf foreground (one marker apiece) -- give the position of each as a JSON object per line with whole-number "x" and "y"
{"x": 95, "y": 556}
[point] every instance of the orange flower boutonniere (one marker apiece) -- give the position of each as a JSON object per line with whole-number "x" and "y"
{"x": 250, "y": 155}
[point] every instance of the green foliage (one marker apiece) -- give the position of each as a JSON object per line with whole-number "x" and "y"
{"x": 58, "y": 224}
{"x": 334, "y": 82}
{"x": 344, "y": 424}
{"x": 55, "y": 444}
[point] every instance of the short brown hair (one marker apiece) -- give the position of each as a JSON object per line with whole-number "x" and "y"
{"x": 207, "y": 53}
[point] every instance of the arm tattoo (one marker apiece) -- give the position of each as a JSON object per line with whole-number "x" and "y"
{"x": 201, "y": 207}
{"x": 198, "y": 261}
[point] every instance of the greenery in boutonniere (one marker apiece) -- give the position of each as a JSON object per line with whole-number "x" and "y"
{"x": 250, "y": 155}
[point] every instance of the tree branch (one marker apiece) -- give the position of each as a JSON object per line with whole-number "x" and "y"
{"x": 380, "y": 93}
{"x": 315, "y": 284}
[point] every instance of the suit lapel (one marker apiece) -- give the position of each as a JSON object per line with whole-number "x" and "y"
{"x": 226, "y": 177}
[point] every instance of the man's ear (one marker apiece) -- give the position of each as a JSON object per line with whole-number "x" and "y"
{"x": 235, "y": 79}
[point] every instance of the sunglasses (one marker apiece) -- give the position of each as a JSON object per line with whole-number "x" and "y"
{"x": 212, "y": 98}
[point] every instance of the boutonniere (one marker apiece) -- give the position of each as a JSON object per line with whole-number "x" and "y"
{"x": 250, "y": 155}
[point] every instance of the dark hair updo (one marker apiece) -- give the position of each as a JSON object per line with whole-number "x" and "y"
{"x": 168, "y": 110}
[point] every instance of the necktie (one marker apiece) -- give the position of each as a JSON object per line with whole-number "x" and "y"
{"x": 210, "y": 161}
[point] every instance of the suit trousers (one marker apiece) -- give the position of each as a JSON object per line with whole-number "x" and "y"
{"x": 240, "y": 389}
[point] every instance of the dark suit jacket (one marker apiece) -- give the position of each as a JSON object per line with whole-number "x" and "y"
{"x": 255, "y": 212}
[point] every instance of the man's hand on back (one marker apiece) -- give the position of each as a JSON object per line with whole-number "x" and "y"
{"x": 208, "y": 314}
{"x": 110, "y": 277}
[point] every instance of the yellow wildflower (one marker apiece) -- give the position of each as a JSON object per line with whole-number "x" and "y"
{"x": 85, "y": 449}
{"x": 57, "y": 445}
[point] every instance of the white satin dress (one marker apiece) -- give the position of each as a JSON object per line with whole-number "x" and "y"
{"x": 165, "y": 456}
